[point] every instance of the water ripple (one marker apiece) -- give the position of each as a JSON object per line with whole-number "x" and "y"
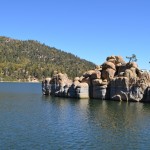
{"x": 31, "y": 121}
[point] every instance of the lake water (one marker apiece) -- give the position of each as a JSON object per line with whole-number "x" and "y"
{"x": 29, "y": 120}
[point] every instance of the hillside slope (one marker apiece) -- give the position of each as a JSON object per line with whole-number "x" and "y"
{"x": 25, "y": 60}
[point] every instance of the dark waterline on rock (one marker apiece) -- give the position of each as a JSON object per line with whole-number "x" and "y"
{"x": 32, "y": 121}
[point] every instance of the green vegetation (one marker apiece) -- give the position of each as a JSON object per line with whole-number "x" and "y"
{"x": 132, "y": 58}
{"x": 24, "y": 60}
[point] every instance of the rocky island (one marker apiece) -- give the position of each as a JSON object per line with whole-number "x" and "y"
{"x": 115, "y": 79}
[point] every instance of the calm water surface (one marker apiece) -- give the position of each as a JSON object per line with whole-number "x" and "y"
{"x": 29, "y": 120}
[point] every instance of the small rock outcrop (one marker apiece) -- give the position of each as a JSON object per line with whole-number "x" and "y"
{"x": 114, "y": 79}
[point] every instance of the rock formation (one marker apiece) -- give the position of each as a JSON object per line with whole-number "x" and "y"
{"x": 114, "y": 79}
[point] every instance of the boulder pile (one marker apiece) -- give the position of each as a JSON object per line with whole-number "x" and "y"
{"x": 114, "y": 79}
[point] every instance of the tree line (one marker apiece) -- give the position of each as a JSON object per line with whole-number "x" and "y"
{"x": 21, "y": 60}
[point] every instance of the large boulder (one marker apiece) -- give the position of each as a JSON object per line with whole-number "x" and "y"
{"x": 96, "y": 75}
{"x": 96, "y": 82}
{"x": 108, "y": 65}
{"x": 46, "y": 86}
{"x": 82, "y": 90}
{"x": 72, "y": 91}
{"x": 111, "y": 58}
{"x": 129, "y": 73}
{"x": 108, "y": 74}
{"x": 119, "y": 61}
{"x": 121, "y": 70}
{"x": 119, "y": 88}
{"x": 88, "y": 73}
{"x": 132, "y": 64}
{"x": 136, "y": 93}
{"x": 58, "y": 84}
{"x": 146, "y": 97}
{"x": 86, "y": 80}
{"x": 114, "y": 79}
{"x": 99, "y": 92}
{"x": 129, "y": 88}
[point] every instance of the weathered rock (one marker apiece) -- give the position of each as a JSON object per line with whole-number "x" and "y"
{"x": 65, "y": 92}
{"x": 72, "y": 91}
{"x": 112, "y": 60}
{"x": 98, "y": 67}
{"x": 88, "y": 73}
{"x": 129, "y": 74}
{"x": 123, "y": 88}
{"x": 136, "y": 93}
{"x": 119, "y": 60}
{"x": 114, "y": 79}
{"x": 131, "y": 64}
{"x": 99, "y": 92}
{"x": 108, "y": 65}
{"x": 96, "y": 82}
{"x": 86, "y": 80}
{"x": 111, "y": 57}
{"x": 76, "y": 83}
{"x": 96, "y": 75}
{"x": 76, "y": 79}
{"x": 58, "y": 83}
{"x": 108, "y": 74}
{"x": 146, "y": 97}
{"x": 121, "y": 70}
{"x": 46, "y": 87}
{"x": 82, "y": 90}
{"x": 119, "y": 88}
{"x": 104, "y": 82}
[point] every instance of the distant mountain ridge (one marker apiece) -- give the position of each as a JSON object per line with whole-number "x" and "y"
{"x": 28, "y": 60}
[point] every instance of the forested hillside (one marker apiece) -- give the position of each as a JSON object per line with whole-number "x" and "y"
{"x": 26, "y": 60}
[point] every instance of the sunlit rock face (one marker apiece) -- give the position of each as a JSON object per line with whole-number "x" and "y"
{"x": 114, "y": 79}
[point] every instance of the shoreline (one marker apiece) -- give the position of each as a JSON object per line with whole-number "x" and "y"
{"x": 19, "y": 82}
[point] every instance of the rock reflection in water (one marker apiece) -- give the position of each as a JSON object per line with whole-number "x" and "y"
{"x": 32, "y": 121}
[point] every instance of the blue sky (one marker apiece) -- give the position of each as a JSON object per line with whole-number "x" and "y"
{"x": 90, "y": 29}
